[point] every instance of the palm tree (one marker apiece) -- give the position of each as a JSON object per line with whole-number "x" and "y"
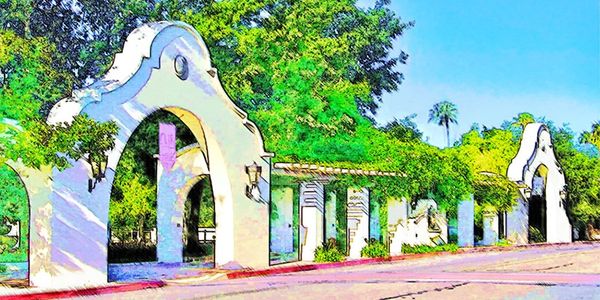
{"x": 443, "y": 114}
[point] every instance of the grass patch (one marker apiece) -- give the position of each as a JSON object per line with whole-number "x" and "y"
{"x": 406, "y": 248}
{"x": 374, "y": 249}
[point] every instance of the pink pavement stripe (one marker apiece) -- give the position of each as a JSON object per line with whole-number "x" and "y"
{"x": 127, "y": 287}
{"x": 482, "y": 277}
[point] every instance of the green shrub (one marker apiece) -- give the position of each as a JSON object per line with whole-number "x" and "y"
{"x": 3, "y": 268}
{"x": 374, "y": 249}
{"x": 503, "y": 243}
{"x": 329, "y": 252}
{"x": 406, "y": 248}
{"x": 535, "y": 235}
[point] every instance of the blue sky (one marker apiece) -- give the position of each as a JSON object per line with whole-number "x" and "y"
{"x": 495, "y": 59}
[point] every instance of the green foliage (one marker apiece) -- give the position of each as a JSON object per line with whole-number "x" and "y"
{"x": 582, "y": 173}
{"x": 329, "y": 252}
{"x": 503, "y": 243}
{"x": 406, "y": 248}
{"x": 374, "y": 249}
{"x": 14, "y": 207}
{"x": 593, "y": 136}
{"x": 535, "y": 235}
{"x": 489, "y": 153}
{"x": 403, "y": 129}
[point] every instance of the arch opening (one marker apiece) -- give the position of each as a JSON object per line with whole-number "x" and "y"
{"x": 538, "y": 206}
{"x": 199, "y": 225}
{"x": 14, "y": 228}
{"x": 133, "y": 207}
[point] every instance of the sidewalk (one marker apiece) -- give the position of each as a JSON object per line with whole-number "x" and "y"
{"x": 28, "y": 293}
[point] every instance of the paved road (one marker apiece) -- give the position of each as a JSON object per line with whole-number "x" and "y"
{"x": 563, "y": 272}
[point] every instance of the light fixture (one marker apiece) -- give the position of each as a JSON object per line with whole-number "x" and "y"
{"x": 563, "y": 194}
{"x": 527, "y": 192}
{"x": 253, "y": 171}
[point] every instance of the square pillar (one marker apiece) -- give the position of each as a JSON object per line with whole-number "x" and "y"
{"x": 466, "y": 223}
{"x": 517, "y": 223}
{"x": 397, "y": 216}
{"x": 358, "y": 220}
{"x": 490, "y": 229}
{"x": 169, "y": 216}
{"x": 331, "y": 223}
{"x": 312, "y": 200}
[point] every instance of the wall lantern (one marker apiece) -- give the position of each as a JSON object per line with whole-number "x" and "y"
{"x": 97, "y": 177}
{"x": 563, "y": 194}
{"x": 253, "y": 172}
{"x": 527, "y": 193}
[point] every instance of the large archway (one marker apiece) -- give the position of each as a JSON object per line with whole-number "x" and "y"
{"x": 540, "y": 177}
{"x": 166, "y": 66}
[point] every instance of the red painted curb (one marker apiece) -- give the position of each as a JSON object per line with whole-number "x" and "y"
{"x": 127, "y": 287}
{"x": 323, "y": 266}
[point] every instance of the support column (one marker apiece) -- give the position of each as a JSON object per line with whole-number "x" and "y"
{"x": 397, "y": 216}
{"x": 466, "y": 223}
{"x": 517, "y": 223}
{"x": 358, "y": 220}
{"x": 169, "y": 217}
{"x": 490, "y": 229}
{"x": 312, "y": 200}
{"x": 374, "y": 227}
{"x": 331, "y": 223}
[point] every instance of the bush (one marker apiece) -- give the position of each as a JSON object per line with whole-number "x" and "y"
{"x": 3, "y": 268}
{"x": 503, "y": 243}
{"x": 535, "y": 235}
{"x": 406, "y": 248}
{"x": 329, "y": 252}
{"x": 374, "y": 249}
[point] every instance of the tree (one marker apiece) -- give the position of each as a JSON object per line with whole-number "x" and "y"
{"x": 403, "y": 129}
{"x": 593, "y": 136}
{"x": 444, "y": 113}
{"x": 94, "y": 140}
{"x": 14, "y": 208}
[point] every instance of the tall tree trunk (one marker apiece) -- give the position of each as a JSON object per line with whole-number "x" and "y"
{"x": 448, "y": 134}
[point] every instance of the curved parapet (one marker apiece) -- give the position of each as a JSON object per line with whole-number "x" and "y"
{"x": 536, "y": 154}
{"x": 137, "y": 50}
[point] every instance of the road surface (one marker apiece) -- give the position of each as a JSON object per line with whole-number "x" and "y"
{"x": 559, "y": 272}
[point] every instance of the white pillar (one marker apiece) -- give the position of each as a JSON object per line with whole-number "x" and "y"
{"x": 169, "y": 216}
{"x": 490, "y": 229}
{"x": 466, "y": 222}
{"x": 331, "y": 223}
{"x": 358, "y": 220}
{"x": 312, "y": 217}
{"x": 517, "y": 223}
{"x": 397, "y": 216}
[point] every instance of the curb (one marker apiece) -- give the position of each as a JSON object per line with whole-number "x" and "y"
{"x": 366, "y": 261}
{"x": 120, "y": 288}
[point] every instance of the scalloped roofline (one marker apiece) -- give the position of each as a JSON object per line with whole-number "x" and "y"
{"x": 528, "y": 148}
{"x": 137, "y": 48}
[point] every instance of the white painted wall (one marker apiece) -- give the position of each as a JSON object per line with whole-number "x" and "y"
{"x": 312, "y": 203}
{"x": 358, "y": 220}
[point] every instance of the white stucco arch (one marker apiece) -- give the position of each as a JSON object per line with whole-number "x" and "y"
{"x": 537, "y": 150}
{"x": 73, "y": 227}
